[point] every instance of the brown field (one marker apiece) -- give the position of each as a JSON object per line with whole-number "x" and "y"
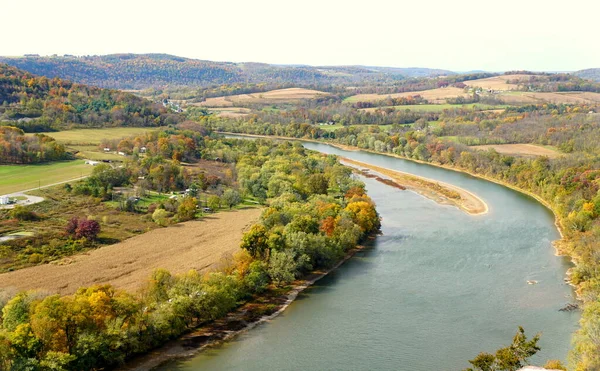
{"x": 273, "y": 96}
{"x": 563, "y": 97}
{"x": 517, "y": 99}
{"x": 497, "y": 82}
{"x": 568, "y": 98}
{"x": 199, "y": 245}
{"x": 433, "y": 96}
{"x": 232, "y": 112}
{"x": 209, "y": 167}
{"x": 521, "y": 150}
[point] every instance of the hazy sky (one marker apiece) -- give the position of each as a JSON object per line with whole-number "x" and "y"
{"x": 453, "y": 34}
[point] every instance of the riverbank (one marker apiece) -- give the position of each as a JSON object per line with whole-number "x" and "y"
{"x": 557, "y": 222}
{"x": 259, "y": 310}
{"x": 440, "y": 192}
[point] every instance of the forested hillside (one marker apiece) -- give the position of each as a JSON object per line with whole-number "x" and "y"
{"x": 38, "y": 103}
{"x": 590, "y": 73}
{"x": 140, "y": 71}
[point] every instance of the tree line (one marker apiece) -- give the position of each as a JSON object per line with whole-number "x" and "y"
{"x": 18, "y": 148}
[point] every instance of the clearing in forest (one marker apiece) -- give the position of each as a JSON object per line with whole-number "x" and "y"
{"x": 232, "y": 112}
{"x": 521, "y": 150}
{"x": 499, "y": 82}
{"x": 274, "y": 96}
{"x": 200, "y": 244}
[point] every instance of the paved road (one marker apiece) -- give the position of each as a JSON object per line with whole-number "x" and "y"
{"x": 30, "y": 200}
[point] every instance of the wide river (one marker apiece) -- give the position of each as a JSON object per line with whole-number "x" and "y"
{"x": 437, "y": 287}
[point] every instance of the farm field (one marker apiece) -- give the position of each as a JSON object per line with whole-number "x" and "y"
{"x": 95, "y": 136}
{"x": 437, "y": 107}
{"x": 15, "y": 178}
{"x": 521, "y": 150}
{"x": 273, "y": 96}
{"x": 93, "y": 153}
{"x": 567, "y": 97}
{"x": 434, "y": 95}
{"x": 497, "y": 82}
{"x": 231, "y": 112}
{"x": 200, "y": 244}
{"x": 516, "y": 97}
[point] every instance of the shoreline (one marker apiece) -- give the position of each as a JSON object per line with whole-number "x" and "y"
{"x": 427, "y": 188}
{"x": 557, "y": 222}
{"x": 217, "y": 332}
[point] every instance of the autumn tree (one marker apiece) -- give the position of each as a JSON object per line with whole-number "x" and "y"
{"x": 510, "y": 358}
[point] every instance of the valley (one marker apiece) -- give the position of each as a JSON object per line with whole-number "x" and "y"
{"x": 153, "y": 219}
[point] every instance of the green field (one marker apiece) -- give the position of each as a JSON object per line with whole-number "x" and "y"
{"x": 14, "y": 178}
{"x": 93, "y": 153}
{"x": 95, "y": 136}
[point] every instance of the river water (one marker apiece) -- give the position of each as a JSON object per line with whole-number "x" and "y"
{"x": 436, "y": 288}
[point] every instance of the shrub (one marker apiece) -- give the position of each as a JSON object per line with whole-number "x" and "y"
{"x": 187, "y": 209}
{"x": 161, "y": 217}
{"x": 22, "y": 213}
{"x": 554, "y": 364}
{"x": 214, "y": 202}
{"x": 83, "y": 228}
{"x": 152, "y": 208}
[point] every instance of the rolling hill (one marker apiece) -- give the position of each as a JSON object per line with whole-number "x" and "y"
{"x": 140, "y": 71}
{"x": 38, "y": 103}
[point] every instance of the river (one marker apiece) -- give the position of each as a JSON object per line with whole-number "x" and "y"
{"x": 436, "y": 288}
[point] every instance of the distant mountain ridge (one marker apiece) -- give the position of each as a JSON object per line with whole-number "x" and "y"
{"x": 140, "y": 71}
{"x": 590, "y": 74}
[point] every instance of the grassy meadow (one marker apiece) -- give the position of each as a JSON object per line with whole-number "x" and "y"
{"x": 15, "y": 178}
{"x": 95, "y": 136}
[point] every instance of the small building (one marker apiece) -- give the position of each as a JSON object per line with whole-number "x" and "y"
{"x": 143, "y": 150}
{"x": 106, "y": 149}
{"x": 4, "y": 200}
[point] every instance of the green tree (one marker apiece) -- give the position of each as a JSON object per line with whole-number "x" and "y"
{"x": 255, "y": 241}
{"x": 214, "y": 202}
{"x": 16, "y": 311}
{"x": 57, "y": 361}
{"x": 231, "y": 197}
